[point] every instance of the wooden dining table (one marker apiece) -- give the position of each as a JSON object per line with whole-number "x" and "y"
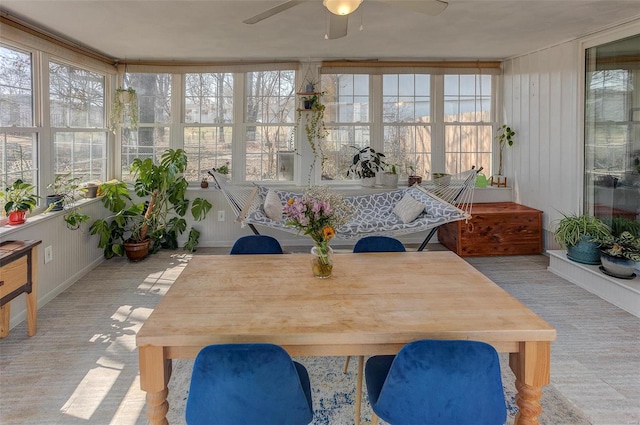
{"x": 374, "y": 303}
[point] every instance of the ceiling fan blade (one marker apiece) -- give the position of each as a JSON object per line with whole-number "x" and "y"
{"x": 428, "y": 7}
{"x": 337, "y": 26}
{"x": 273, "y": 11}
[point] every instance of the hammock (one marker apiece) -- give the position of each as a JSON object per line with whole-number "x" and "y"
{"x": 446, "y": 199}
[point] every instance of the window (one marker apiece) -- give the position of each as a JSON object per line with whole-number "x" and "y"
{"x": 467, "y": 121}
{"x": 208, "y": 122}
{"x": 153, "y": 135}
{"x": 406, "y": 116}
{"x": 612, "y": 132}
{"x": 77, "y": 117}
{"x": 270, "y": 125}
{"x": 18, "y": 134}
{"x": 433, "y": 123}
{"x": 347, "y": 100}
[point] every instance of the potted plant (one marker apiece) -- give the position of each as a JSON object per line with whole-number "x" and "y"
{"x": 504, "y": 136}
{"x": 619, "y": 254}
{"x": 390, "y": 177}
{"x": 160, "y": 213}
{"x": 578, "y": 234}
{"x": 63, "y": 191}
{"x": 314, "y": 127}
{"x": 204, "y": 183}
{"x": 413, "y": 177}
{"x": 17, "y": 200}
{"x": 365, "y": 164}
{"x": 124, "y": 105}
{"x": 223, "y": 169}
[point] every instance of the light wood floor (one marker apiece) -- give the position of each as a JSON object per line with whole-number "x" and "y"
{"x": 82, "y": 368}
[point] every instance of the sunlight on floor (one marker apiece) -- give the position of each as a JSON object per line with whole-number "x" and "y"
{"x": 91, "y": 391}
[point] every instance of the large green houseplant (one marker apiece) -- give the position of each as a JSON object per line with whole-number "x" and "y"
{"x": 153, "y": 210}
{"x": 578, "y": 234}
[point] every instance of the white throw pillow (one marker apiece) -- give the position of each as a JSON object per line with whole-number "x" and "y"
{"x": 408, "y": 209}
{"x": 273, "y": 206}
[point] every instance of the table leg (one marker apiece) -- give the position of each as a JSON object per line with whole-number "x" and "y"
{"x": 155, "y": 371}
{"x": 5, "y": 317}
{"x": 359, "y": 389}
{"x": 32, "y": 297}
{"x": 531, "y": 366}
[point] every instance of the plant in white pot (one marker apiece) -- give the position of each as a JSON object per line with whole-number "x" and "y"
{"x": 365, "y": 164}
{"x": 390, "y": 177}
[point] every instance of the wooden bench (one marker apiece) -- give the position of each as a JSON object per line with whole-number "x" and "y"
{"x": 497, "y": 228}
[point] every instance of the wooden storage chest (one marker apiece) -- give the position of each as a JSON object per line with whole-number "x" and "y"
{"x": 496, "y": 228}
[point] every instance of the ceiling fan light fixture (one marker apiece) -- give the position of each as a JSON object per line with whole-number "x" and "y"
{"x": 341, "y": 7}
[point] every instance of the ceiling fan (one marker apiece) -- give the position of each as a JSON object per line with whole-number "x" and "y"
{"x": 340, "y": 10}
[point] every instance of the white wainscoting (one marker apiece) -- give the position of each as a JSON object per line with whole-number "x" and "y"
{"x": 623, "y": 293}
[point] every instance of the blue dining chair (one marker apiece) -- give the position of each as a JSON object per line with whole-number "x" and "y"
{"x": 370, "y": 244}
{"x": 378, "y": 244}
{"x": 248, "y": 384}
{"x": 375, "y": 244}
{"x": 256, "y": 244}
{"x": 437, "y": 382}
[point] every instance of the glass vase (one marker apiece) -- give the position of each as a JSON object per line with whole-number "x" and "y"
{"x": 322, "y": 261}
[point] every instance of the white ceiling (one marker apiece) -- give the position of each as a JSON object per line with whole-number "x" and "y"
{"x": 212, "y": 30}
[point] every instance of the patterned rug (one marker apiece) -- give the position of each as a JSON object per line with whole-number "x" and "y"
{"x": 333, "y": 394}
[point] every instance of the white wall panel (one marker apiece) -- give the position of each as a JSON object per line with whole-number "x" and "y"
{"x": 540, "y": 103}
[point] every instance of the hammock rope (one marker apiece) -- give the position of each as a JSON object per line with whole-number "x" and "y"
{"x": 446, "y": 199}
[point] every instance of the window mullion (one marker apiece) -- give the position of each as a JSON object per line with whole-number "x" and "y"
{"x": 375, "y": 113}
{"x": 437, "y": 116}
{"x": 238, "y": 144}
{"x": 177, "y": 112}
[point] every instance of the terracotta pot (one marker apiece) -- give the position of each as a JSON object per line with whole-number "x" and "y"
{"x": 204, "y": 184}
{"x": 137, "y": 251}
{"x": 16, "y": 217}
{"x": 414, "y": 179}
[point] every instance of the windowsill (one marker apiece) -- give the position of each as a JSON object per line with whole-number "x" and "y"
{"x": 37, "y": 219}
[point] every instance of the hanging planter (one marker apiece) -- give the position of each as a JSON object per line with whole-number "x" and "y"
{"x": 124, "y": 109}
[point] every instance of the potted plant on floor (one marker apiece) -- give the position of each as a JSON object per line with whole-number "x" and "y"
{"x": 578, "y": 234}
{"x": 159, "y": 215}
{"x": 365, "y": 164}
{"x": 619, "y": 254}
{"x": 17, "y": 200}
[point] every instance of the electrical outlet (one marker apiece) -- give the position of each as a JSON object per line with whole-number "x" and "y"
{"x": 221, "y": 215}
{"x": 48, "y": 254}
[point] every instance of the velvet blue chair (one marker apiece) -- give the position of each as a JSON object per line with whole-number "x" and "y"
{"x": 378, "y": 244}
{"x": 437, "y": 382}
{"x": 256, "y": 244}
{"x": 248, "y": 384}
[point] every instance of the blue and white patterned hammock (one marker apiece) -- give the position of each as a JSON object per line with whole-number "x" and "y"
{"x": 445, "y": 201}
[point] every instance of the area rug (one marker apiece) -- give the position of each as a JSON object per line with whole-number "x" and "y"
{"x": 333, "y": 394}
